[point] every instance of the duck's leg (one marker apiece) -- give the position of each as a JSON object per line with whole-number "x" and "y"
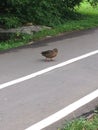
{"x": 51, "y": 59}
{"x": 46, "y": 59}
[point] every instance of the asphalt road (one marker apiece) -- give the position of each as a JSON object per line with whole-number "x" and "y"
{"x": 30, "y": 101}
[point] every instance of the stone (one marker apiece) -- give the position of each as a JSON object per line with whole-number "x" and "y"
{"x": 5, "y": 33}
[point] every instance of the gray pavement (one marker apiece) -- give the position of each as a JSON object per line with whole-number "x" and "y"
{"x": 28, "y": 102}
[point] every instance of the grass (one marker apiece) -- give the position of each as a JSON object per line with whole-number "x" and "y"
{"x": 89, "y": 19}
{"x": 15, "y": 42}
{"x": 82, "y": 123}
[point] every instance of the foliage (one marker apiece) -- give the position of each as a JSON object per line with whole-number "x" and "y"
{"x": 44, "y": 12}
{"x": 10, "y": 21}
{"x": 89, "y": 19}
{"x": 82, "y": 124}
{"x": 13, "y": 13}
{"x": 93, "y": 2}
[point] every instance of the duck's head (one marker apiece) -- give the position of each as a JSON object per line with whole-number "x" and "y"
{"x": 55, "y": 49}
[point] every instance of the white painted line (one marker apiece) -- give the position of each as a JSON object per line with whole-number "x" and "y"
{"x": 64, "y": 112}
{"x": 7, "y": 84}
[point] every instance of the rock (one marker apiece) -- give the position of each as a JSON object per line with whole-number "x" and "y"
{"x": 29, "y": 24}
{"x": 4, "y": 33}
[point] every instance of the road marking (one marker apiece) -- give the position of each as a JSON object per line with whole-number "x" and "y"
{"x": 64, "y": 112}
{"x": 7, "y": 84}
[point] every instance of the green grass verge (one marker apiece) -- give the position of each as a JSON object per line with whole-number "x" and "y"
{"x": 82, "y": 124}
{"x": 15, "y": 42}
{"x": 89, "y": 122}
{"x": 89, "y": 19}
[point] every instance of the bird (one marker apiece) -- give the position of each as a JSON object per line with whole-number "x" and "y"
{"x": 50, "y": 54}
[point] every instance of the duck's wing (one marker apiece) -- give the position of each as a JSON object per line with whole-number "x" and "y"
{"x": 47, "y": 53}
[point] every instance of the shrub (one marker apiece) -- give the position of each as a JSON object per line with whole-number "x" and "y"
{"x": 93, "y": 2}
{"x": 46, "y": 12}
{"x": 10, "y": 21}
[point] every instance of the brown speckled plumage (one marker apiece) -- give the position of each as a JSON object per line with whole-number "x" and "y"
{"x": 49, "y": 54}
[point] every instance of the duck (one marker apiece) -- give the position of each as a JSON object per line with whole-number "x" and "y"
{"x": 50, "y": 54}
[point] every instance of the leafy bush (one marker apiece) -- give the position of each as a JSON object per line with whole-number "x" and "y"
{"x": 10, "y": 21}
{"x": 46, "y": 12}
{"x": 93, "y": 2}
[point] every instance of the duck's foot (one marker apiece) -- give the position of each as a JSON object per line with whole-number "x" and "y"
{"x": 49, "y": 59}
